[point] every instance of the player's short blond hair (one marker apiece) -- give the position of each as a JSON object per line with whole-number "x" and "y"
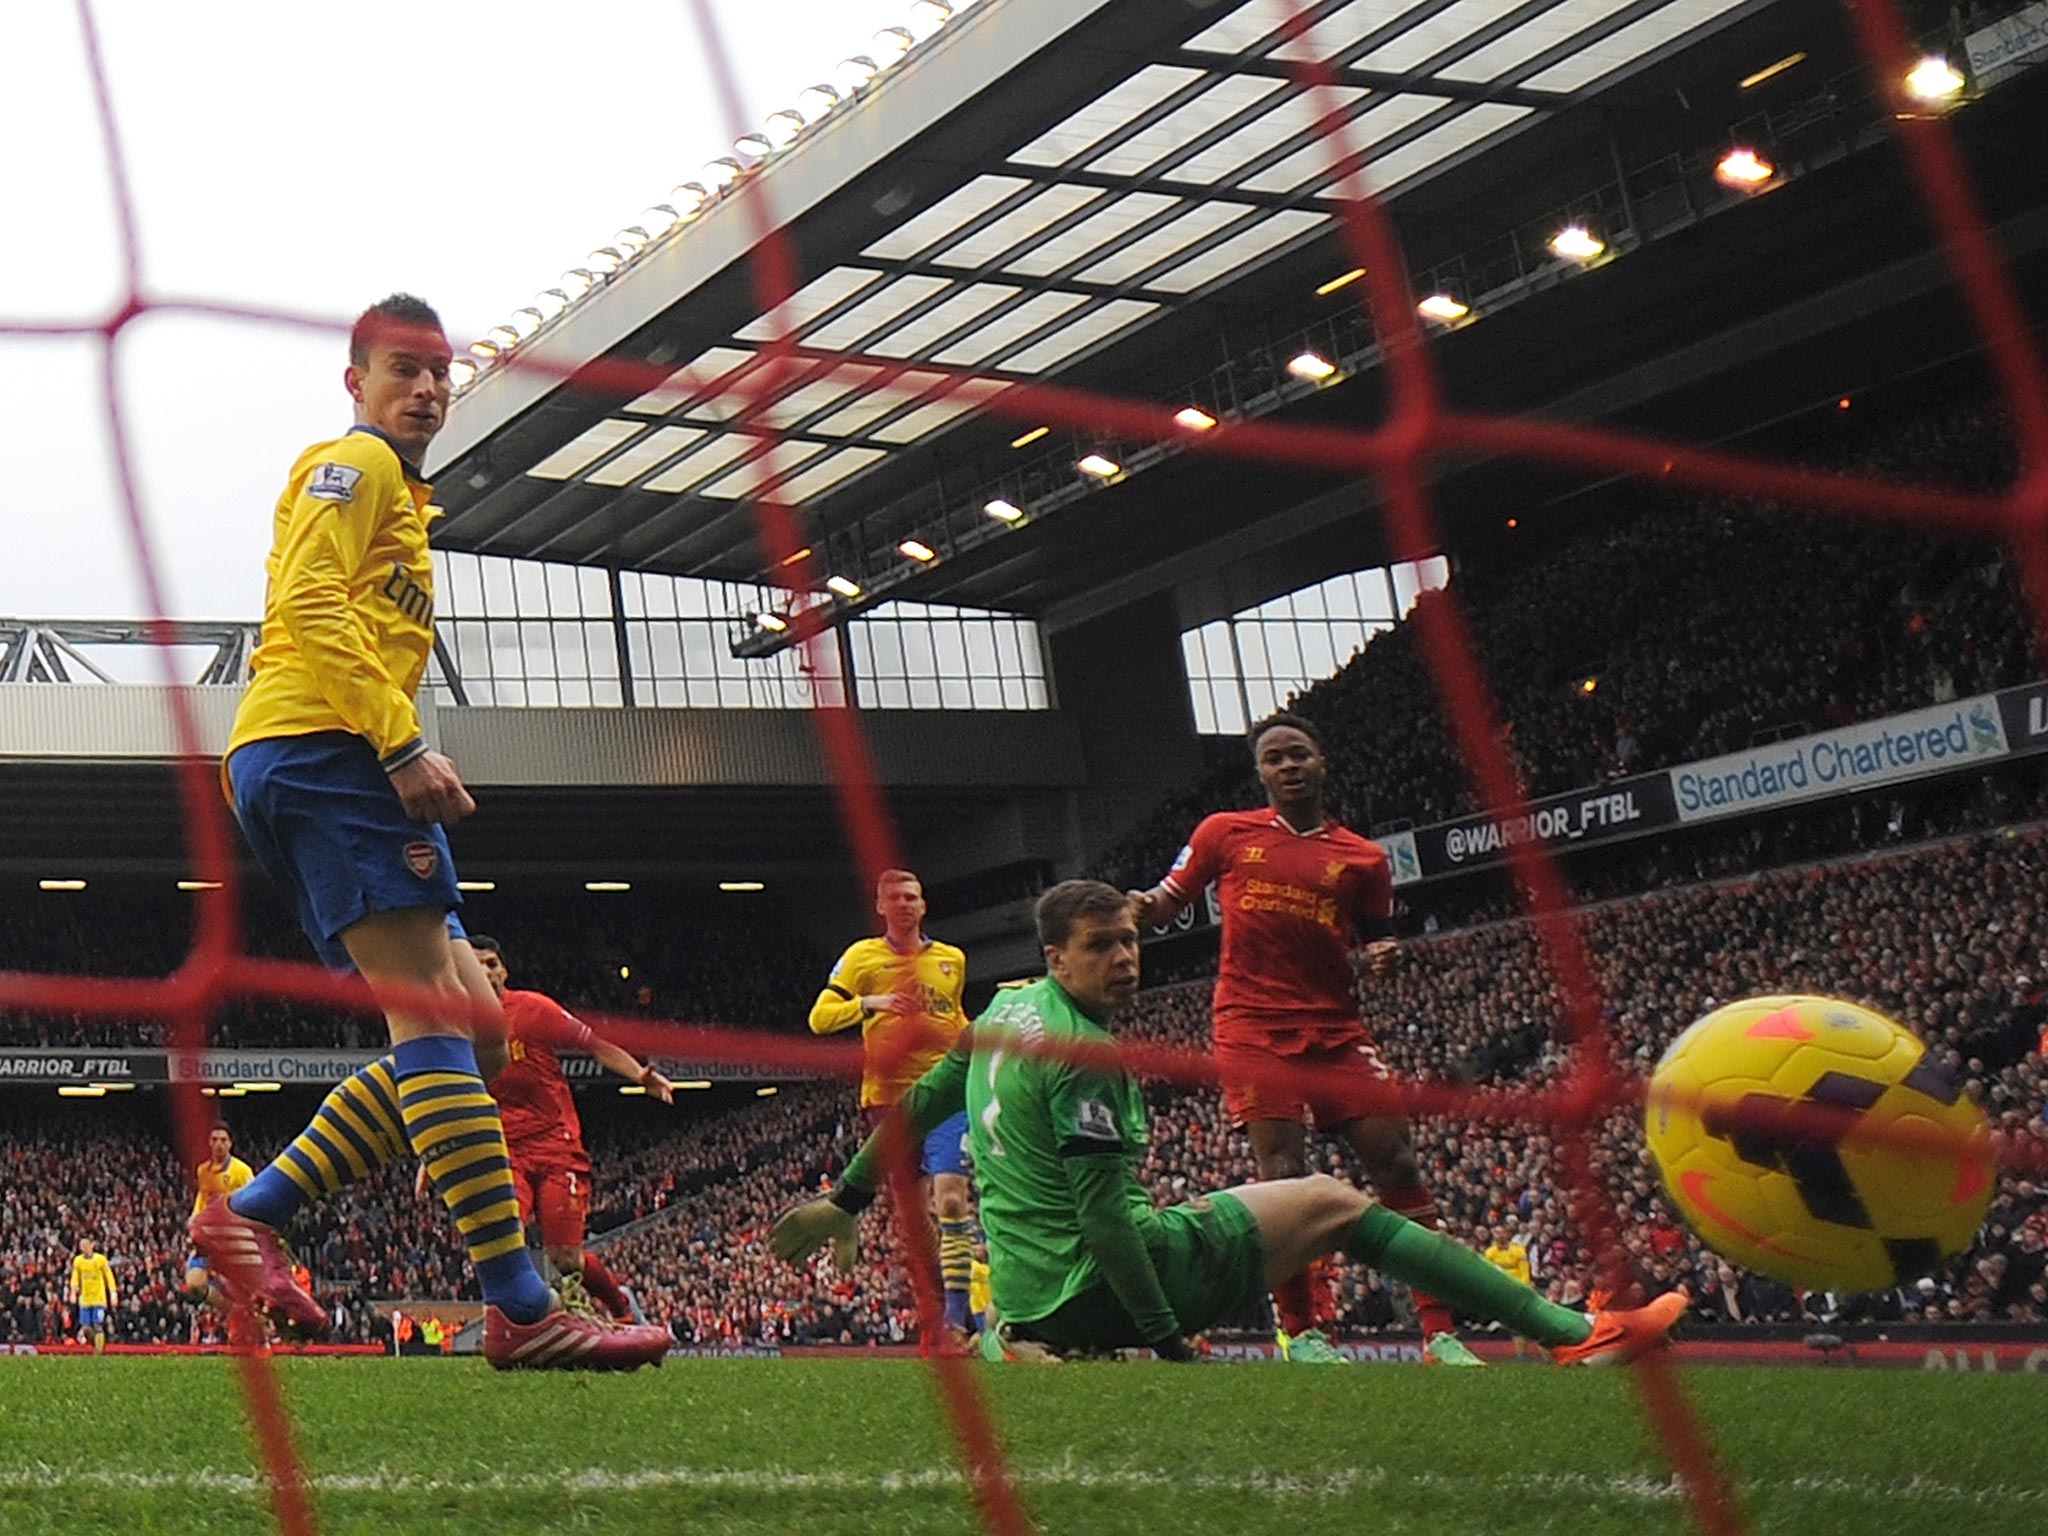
{"x": 889, "y": 877}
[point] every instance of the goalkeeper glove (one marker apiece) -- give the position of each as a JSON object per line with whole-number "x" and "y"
{"x": 802, "y": 1230}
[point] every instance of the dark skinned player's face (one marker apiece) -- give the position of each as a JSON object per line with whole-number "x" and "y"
{"x": 1290, "y": 766}
{"x": 1098, "y": 964}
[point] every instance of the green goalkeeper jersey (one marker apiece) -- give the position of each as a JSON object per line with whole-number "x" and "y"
{"x": 1029, "y": 1115}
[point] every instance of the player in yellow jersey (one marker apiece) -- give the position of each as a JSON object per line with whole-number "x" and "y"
{"x": 343, "y": 802}
{"x": 219, "y": 1174}
{"x": 1507, "y": 1254}
{"x": 92, "y": 1291}
{"x": 903, "y": 990}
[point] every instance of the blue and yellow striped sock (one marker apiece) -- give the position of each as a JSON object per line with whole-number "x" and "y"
{"x": 356, "y": 1131}
{"x": 956, "y": 1266}
{"x": 453, "y": 1125}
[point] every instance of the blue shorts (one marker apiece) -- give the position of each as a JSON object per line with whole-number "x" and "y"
{"x": 92, "y": 1317}
{"x": 332, "y": 834}
{"x": 945, "y": 1150}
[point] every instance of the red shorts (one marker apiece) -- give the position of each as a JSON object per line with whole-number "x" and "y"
{"x": 1333, "y": 1080}
{"x": 561, "y": 1199}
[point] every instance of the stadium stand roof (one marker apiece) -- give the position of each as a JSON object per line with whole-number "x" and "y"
{"x": 1070, "y": 189}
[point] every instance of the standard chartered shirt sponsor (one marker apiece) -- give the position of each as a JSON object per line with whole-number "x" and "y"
{"x": 1831, "y": 762}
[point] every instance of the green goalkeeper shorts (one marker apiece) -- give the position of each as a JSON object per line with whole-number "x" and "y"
{"x": 1211, "y": 1265}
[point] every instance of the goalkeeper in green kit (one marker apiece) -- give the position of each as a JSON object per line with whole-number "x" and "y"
{"x": 1080, "y": 1259}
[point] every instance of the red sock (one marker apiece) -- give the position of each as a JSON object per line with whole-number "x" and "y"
{"x": 1419, "y": 1206}
{"x": 1319, "y": 1287}
{"x": 1294, "y": 1302}
{"x": 600, "y": 1282}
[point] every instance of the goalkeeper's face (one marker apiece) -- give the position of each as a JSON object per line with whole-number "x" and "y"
{"x": 1098, "y": 964}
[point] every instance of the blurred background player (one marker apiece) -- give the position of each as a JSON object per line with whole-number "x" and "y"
{"x": 550, "y": 1168}
{"x": 219, "y": 1174}
{"x": 91, "y": 1290}
{"x": 1299, "y": 892}
{"x": 343, "y": 804}
{"x": 1507, "y": 1253}
{"x": 1083, "y": 1260}
{"x": 903, "y": 990}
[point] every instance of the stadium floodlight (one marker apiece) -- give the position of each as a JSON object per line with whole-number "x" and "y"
{"x": 260, "y": 1087}
{"x": 80, "y": 1091}
{"x": 526, "y": 321}
{"x": 631, "y": 1090}
{"x": 1311, "y": 365}
{"x": 1575, "y": 242}
{"x": 503, "y": 337}
{"x": 742, "y": 885}
{"x": 1098, "y": 465}
{"x": 774, "y": 623}
{"x": 605, "y": 260}
{"x": 783, "y": 127}
{"x": 843, "y": 586}
{"x": 927, "y": 16}
{"x": 767, "y": 1091}
{"x": 1744, "y": 170}
{"x": 1004, "y": 511}
{"x": 855, "y": 72}
{"x": 754, "y": 146}
{"x": 1933, "y": 79}
{"x": 891, "y": 43}
{"x": 231, "y": 1093}
{"x": 688, "y": 198}
{"x": 1751, "y": 81}
{"x": 1028, "y": 438}
{"x": 1194, "y": 418}
{"x": 1441, "y": 306}
{"x": 816, "y": 101}
{"x": 198, "y": 885}
{"x": 632, "y": 240}
{"x": 721, "y": 173}
{"x": 695, "y": 1082}
{"x": 60, "y": 885}
{"x": 462, "y": 373}
{"x": 800, "y": 556}
{"x": 484, "y": 352}
{"x": 578, "y": 281}
{"x": 918, "y": 550}
{"x": 607, "y": 887}
{"x": 550, "y": 302}
{"x": 1341, "y": 280}
{"x": 659, "y": 219}
{"x": 476, "y": 885}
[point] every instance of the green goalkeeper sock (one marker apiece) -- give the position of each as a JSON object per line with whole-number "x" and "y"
{"x": 1460, "y": 1278}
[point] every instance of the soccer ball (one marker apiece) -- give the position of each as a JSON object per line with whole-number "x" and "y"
{"x": 1822, "y": 1206}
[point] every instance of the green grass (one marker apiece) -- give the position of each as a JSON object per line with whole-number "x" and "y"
{"x": 710, "y": 1446}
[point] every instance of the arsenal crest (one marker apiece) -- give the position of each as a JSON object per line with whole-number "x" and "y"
{"x": 422, "y": 858}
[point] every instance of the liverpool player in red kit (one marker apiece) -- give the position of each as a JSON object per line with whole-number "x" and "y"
{"x": 550, "y": 1168}
{"x": 1299, "y": 893}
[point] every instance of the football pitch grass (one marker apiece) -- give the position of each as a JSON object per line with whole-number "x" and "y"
{"x": 135, "y": 1445}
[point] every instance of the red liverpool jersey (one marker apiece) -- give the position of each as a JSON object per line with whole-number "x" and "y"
{"x": 533, "y": 1097}
{"x": 1293, "y": 906}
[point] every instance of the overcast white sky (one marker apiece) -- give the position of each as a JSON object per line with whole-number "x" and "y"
{"x": 312, "y": 155}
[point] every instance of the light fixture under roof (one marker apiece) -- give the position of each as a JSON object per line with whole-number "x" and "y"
{"x": 843, "y": 586}
{"x": 1744, "y": 169}
{"x": 797, "y": 558}
{"x": 1098, "y": 465}
{"x": 721, "y": 173}
{"x": 578, "y": 281}
{"x": 1028, "y": 438}
{"x": 80, "y": 1091}
{"x": 1194, "y": 418}
{"x": 855, "y": 72}
{"x": 1770, "y": 71}
{"x": 476, "y": 885}
{"x": 550, "y": 302}
{"x": 1933, "y": 79}
{"x": 816, "y": 101}
{"x": 688, "y": 197}
{"x": 782, "y": 127}
{"x": 774, "y": 623}
{"x": 1311, "y": 365}
{"x": 1004, "y": 511}
{"x": 60, "y": 885}
{"x": 754, "y": 145}
{"x": 768, "y": 1091}
{"x": 462, "y": 372}
{"x": 1441, "y": 306}
{"x": 891, "y": 43}
{"x": 742, "y": 885}
{"x": 261, "y": 1087}
{"x": 918, "y": 550}
{"x": 503, "y": 337}
{"x": 632, "y": 240}
{"x": 1575, "y": 242}
{"x": 695, "y": 1082}
{"x": 198, "y": 885}
{"x": 1341, "y": 280}
{"x": 606, "y": 260}
{"x": 607, "y": 886}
